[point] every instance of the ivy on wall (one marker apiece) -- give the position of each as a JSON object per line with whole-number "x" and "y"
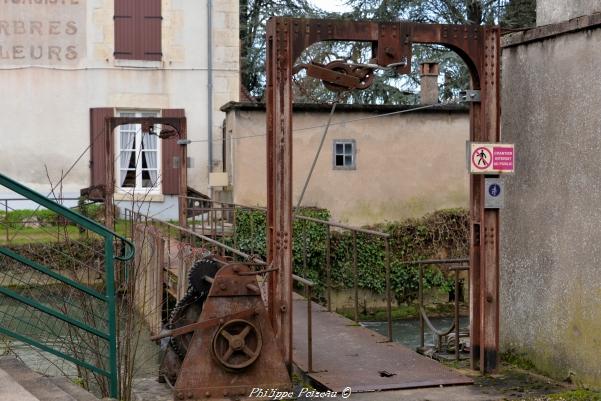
{"x": 442, "y": 234}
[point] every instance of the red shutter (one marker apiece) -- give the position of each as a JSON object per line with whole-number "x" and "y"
{"x": 98, "y": 144}
{"x": 125, "y": 29}
{"x": 138, "y": 29}
{"x": 170, "y": 157}
{"x": 150, "y": 35}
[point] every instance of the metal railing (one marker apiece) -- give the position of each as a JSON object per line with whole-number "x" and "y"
{"x": 67, "y": 309}
{"x": 423, "y": 316}
{"x": 219, "y": 219}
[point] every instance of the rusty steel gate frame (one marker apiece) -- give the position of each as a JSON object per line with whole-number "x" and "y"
{"x": 478, "y": 46}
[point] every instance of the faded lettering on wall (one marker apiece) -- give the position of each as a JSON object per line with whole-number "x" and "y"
{"x": 42, "y": 32}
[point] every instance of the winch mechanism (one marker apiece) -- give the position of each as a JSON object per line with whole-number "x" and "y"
{"x": 218, "y": 342}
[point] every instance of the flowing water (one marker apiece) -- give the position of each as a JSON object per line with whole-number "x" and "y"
{"x": 406, "y": 332}
{"x": 146, "y": 354}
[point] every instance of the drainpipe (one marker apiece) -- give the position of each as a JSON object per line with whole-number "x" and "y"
{"x": 210, "y": 82}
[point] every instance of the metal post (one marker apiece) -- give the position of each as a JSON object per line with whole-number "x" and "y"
{"x": 252, "y": 232}
{"x": 305, "y": 249}
{"x": 6, "y": 221}
{"x": 388, "y": 292}
{"x": 309, "y": 328}
{"x": 456, "y": 315}
{"x": 328, "y": 278}
{"x": 202, "y": 220}
{"x": 235, "y": 230}
{"x": 222, "y": 230}
{"x": 356, "y": 275}
{"x": 421, "y": 305}
{"x": 112, "y": 321}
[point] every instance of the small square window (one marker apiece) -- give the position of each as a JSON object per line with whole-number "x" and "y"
{"x": 344, "y": 154}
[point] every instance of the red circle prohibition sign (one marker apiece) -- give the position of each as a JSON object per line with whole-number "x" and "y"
{"x": 481, "y": 158}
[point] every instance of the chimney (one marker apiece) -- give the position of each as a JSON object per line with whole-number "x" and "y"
{"x": 428, "y": 72}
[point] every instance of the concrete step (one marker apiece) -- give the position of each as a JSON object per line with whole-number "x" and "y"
{"x": 75, "y": 391}
{"x": 18, "y": 382}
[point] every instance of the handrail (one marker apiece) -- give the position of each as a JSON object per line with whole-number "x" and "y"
{"x": 308, "y": 284}
{"x": 300, "y": 217}
{"x": 433, "y": 261}
{"x": 434, "y": 330}
{"x": 42, "y": 269}
{"x": 203, "y": 237}
{"x": 83, "y": 221}
{"x": 109, "y": 298}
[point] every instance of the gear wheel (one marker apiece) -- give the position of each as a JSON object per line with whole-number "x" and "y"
{"x": 201, "y": 268}
{"x": 188, "y": 308}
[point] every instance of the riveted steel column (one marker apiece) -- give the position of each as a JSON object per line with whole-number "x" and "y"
{"x": 279, "y": 180}
{"x": 489, "y": 228}
{"x": 476, "y": 199}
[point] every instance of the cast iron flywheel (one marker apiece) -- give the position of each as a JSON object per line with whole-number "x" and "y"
{"x": 236, "y": 344}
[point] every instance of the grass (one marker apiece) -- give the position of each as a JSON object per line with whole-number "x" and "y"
{"x": 575, "y": 395}
{"x": 27, "y": 235}
{"x": 518, "y": 360}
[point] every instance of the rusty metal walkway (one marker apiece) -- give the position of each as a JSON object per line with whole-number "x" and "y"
{"x": 348, "y": 355}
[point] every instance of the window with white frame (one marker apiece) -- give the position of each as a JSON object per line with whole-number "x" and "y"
{"x": 139, "y": 156}
{"x": 344, "y": 154}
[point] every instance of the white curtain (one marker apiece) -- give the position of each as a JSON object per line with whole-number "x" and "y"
{"x": 149, "y": 143}
{"x": 127, "y": 142}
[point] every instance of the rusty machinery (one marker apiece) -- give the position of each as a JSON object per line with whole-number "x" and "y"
{"x": 219, "y": 342}
{"x": 391, "y": 43}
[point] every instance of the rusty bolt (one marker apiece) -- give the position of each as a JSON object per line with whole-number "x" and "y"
{"x": 489, "y": 298}
{"x": 180, "y": 395}
{"x": 221, "y": 321}
{"x": 236, "y": 269}
{"x": 225, "y": 393}
{"x": 208, "y": 394}
{"x": 283, "y": 308}
{"x": 190, "y": 395}
{"x": 256, "y": 311}
{"x": 223, "y": 286}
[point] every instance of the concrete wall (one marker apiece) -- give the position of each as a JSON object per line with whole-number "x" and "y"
{"x": 550, "y": 232}
{"x": 553, "y": 11}
{"x": 407, "y": 164}
{"x": 45, "y": 104}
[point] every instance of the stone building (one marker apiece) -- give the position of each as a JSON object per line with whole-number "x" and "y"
{"x": 379, "y": 163}
{"x": 550, "y": 234}
{"x": 66, "y": 65}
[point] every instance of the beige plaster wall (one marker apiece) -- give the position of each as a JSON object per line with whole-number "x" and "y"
{"x": 553, "y": 11}
{"x": 45, "y": 108}
{"x": 407, "y": 164}
{"x": 550, "y": 250}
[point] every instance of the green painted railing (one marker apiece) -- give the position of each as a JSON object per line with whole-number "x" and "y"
{"x": 69, "y": 308}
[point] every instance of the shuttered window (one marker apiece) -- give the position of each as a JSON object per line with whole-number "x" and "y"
{"x": 171, "y": 157}
{"x": 167, "y": 156}
{"x": 138, "y": 30}
{"x": 99, "y": 141}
